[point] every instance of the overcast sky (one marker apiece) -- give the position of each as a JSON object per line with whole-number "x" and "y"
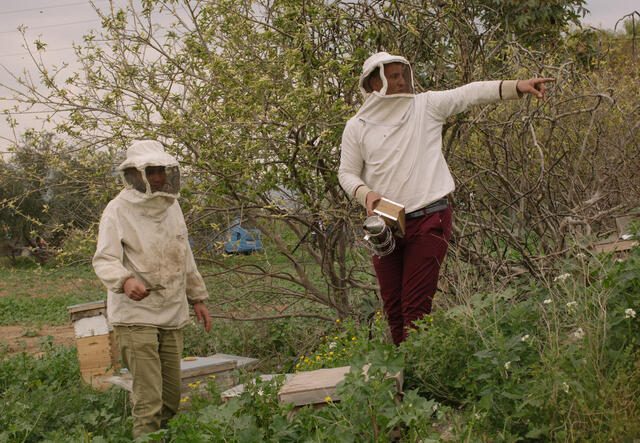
{"x": 61, "y": 22}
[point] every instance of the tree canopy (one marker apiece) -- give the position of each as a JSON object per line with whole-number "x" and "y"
{"x": 252, "y": 98}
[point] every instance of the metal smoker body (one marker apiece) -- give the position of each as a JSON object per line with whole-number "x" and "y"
{"x": 379, "y": 235}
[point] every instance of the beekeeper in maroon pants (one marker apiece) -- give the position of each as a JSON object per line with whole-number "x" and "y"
{"x": 392, "y": 148}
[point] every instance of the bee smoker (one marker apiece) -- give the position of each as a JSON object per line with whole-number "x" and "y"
{"x": 379, "y": 235}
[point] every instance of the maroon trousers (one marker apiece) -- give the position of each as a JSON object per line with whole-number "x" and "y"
{"x": 408, "y": 277}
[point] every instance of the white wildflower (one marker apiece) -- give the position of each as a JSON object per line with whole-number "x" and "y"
{"x": 565, "y": 387}
{"x": 524, "y": 338}
{"x": 572, "y": 304}
{"x": 547, "y": 301}
{"x": 629, "y": 313}
{"x": 579, "y": 333}
{"x": 580, "y": 255}
{"x": 260, "y": 392}
{"x": 332, "y": 345}
{"x": 507, "y": 365}
{"x": 562, "y": 277}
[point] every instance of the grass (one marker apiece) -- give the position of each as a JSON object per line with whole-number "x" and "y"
{"x": 503, "y": 361}
{"x": 35, "y": 295}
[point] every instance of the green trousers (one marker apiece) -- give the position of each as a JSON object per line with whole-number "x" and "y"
{"x": 152, "y": 356}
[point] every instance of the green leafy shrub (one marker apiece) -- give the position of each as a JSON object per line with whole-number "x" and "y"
{"x": 552, "y": 360}
{"x": 45, "y": 399}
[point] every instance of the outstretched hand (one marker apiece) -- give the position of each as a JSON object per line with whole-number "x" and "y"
{"x": 535, "y": 86}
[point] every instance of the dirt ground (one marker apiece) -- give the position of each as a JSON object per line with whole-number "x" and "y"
{"x": 18, "y": 338}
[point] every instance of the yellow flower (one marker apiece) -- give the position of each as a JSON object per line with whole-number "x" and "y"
{"x": 331, "y": 353}
{"x": 353, "y": 338}
{"x": 212, "y": 376}
{"x": 431, "y": 319}
{"x": 337, "y": 320}
{"x": 184, "y": 399}
{"x": 335, "y": 338}
{"x": 327, "y": 399}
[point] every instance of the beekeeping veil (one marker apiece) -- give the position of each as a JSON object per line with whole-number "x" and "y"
{"x": 379, "y": 108}
{"x": 149, "y": 153}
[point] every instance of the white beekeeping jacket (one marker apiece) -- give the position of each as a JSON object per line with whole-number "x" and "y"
{"x": 143, "y": 235}
{"x": 393, "y": 145}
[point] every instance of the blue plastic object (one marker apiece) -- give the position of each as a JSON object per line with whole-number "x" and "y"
{"x": 241, "y": 240}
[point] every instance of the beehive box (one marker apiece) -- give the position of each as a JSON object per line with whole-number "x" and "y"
{"x": 98, "y": 356}
{"x": 319, "y": 386}
{"x": 195, "y": 369}
{"x": 622, "y": 242}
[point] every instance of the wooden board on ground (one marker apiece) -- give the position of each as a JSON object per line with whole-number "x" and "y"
{"x": 217, "y": 367}
{"x": 196, "y": 366}
{"x": 622, "y": 223}
{"x": 313, "y": 387}
{"x": 614, "y": 246}
{"x": 239, "y": 389}
{"x": 310, "y": 387}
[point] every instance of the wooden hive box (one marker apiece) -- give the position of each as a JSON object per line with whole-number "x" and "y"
{"x": 621, "y": 243}
{"x": 98, "y": 355}
{"x": 314, "y": 387}
{"x": 197, "y": 369}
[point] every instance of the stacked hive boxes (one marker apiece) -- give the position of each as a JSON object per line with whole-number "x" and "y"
{"x": 98, "y": 354}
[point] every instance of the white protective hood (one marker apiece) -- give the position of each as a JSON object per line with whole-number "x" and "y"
{"x": 144, "y": 153}
{"x": 378, "y": 108}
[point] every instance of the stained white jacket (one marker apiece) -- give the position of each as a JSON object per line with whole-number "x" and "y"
{"x": 145, "y": 237}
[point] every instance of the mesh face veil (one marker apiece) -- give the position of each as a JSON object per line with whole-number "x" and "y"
{"x": 148, "y": 169}
{"x": 153, "y": 180}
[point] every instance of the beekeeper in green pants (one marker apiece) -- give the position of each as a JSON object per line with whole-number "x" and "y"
{"x": 144, "y": 259}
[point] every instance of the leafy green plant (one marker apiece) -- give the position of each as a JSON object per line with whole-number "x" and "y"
{"x": 45, "y": 399}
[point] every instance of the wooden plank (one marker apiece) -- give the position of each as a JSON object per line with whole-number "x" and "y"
{"x": 238, "y": 390}
{"x": 614, "y": 246}
{"x": 91, "y": 309}
{"x": 622, "y": 223}
{"x": 97, "y": 377}
{"x": 206, "y": 365}
{"x": 242, "y": 362}
{"x": 311, "y": 387}
{"x": 194, "y": 369}
{"x": 123, "y": 380}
